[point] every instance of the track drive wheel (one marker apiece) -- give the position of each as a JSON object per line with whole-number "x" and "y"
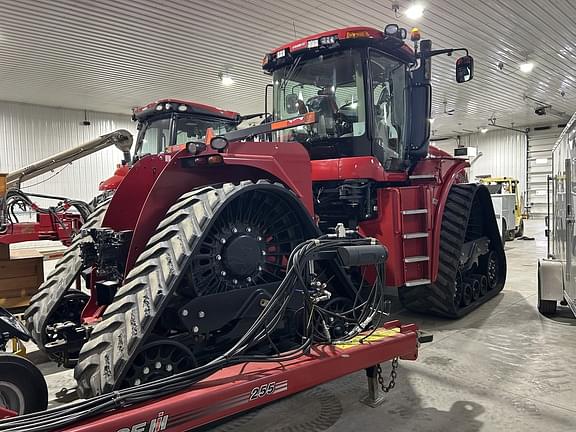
{"x": 22, "y": 386}
{"x": 468, "y": 215}
{"x": 213, "y": 240}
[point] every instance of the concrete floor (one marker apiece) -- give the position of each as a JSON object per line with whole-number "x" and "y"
{"x": 503, "y": 367}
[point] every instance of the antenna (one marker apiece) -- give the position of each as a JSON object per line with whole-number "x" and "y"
{"x": 294, "y": 27}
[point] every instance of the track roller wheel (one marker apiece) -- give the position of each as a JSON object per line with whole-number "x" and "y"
{"x": 468, "y": 216}
{"x": 467, "y": 294}
{"x": 483, "y": 283}
{"x": 22, "y": 386}
{"x": 212, "y": 240}
{"x": 475, "y": 284}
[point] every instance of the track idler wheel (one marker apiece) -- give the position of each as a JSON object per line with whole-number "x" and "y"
{"x": 492, "y": 270}
{"x": 159, "y": 360}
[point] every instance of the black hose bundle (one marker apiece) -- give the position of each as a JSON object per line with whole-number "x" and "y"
{"x": 364, "y": 315}
{"x": 16, "y": 200}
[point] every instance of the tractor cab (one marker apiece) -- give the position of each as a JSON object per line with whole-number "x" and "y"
{"x": 166, "y": 123}
{"x": 369, "y": 89}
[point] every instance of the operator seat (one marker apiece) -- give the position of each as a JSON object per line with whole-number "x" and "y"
{"x": 326, "y": 108}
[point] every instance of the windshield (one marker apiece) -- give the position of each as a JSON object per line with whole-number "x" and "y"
{"x": 155, "y": 135}
{"x": 357, "y": 114}
{"x": 330, "y": 85}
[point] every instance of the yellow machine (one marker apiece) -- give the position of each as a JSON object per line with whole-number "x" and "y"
{"x": 508, "y": 185}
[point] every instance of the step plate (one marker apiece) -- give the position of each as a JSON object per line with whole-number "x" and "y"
{"x": 415, "y": 235}
{"x": 417, "y": 282}
{"x": 414, "y": 211}
{"x": 414, "y": 259}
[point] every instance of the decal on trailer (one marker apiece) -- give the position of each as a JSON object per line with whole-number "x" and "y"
{"x": 268, "y": 389}
{"x": 157, "y": 424}
{"x": 375, "y": 336}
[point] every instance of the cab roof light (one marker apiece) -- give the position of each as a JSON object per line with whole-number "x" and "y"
{"x": 328, "y": 40}
{"x": 415, "y": 34}
{"x": 314, "y": 43}
{"x": 159, "y": 107}
{"x": 182, "y": 108}
{"x": 396, "y": 31}
{"x": 357, "y": 34}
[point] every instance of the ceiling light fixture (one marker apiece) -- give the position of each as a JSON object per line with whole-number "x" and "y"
{"x": 226, "y": 79}
{"x": 431, "y": 120}
{"x": 483, "y": 130}
{"x": 414, "y": 11}
{"x": 527, "y": 66}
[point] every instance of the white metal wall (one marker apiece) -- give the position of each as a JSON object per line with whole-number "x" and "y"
{"x": 540, "y": 144}
{"x": 31, "y": 132}
{"x": 503, "y": 154}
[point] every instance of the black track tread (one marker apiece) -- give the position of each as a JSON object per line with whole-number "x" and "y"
{"x": 67, "y": 269}
{"x": 437, "y": 298}
{"x": 138, "y": 303}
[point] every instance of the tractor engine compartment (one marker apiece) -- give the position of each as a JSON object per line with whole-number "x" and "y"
{"x": 348, "y": 202}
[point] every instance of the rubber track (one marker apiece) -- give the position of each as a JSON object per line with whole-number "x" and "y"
{"x": 67, "y": 269}
{"x": 148, "y": 287}
{"x": 437, "y": 298}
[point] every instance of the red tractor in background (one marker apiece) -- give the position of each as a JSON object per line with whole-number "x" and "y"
{"x": 195, "y": 240}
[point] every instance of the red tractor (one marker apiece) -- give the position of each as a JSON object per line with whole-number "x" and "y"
{"x": 196, "y": 240}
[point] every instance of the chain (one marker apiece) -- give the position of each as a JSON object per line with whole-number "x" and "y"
{"x": 393, "y": 374}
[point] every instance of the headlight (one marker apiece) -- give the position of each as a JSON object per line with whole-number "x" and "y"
{"x": 219, "y": 143}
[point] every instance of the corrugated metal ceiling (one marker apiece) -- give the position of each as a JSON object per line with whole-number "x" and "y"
{"x": 109, "y": 55}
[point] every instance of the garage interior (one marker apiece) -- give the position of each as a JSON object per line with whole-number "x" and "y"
{"x": 73, "y": 71}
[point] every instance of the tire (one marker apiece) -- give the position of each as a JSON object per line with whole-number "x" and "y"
{"x": 22, "y": 387}
{"x": 520, "y": 230}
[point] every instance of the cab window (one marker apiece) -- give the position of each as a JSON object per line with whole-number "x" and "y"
{"x": 388, "y": 84}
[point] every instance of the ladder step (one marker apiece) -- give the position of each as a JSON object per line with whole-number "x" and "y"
{"x": 413, "y": 259}
{"x": 416, "y": 235}
{"x": 422, "y": 176}
{"x": 415, "y": 211}
{"x": 416, "y": 282}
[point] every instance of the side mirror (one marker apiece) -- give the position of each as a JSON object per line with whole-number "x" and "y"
{"x": 464, "y": 69}
{"x": 292, "y": 103}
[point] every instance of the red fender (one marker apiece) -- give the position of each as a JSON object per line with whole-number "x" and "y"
{"x": 155, "y": 182}
{"x": 448, "y": 172}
